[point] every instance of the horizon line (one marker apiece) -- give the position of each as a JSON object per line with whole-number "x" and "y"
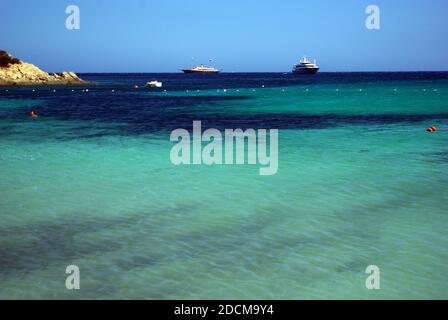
{"x": 282, "y": 72}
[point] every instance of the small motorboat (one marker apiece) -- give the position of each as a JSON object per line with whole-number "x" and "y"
{"x": 154, "y": 84}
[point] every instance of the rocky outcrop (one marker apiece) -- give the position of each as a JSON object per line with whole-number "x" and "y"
{"x": 16, "y": 72}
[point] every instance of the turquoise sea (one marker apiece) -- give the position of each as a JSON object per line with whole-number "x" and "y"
{"x": 360, "y": 182}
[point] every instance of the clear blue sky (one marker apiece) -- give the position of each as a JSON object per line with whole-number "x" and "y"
{"x": 240, "y": 35}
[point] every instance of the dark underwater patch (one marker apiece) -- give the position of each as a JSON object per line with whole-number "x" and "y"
{"x": 437, "y": 157}
{"x": 130, "y": 112}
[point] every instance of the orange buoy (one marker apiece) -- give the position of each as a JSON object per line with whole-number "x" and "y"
{"x": 432, "y": 129}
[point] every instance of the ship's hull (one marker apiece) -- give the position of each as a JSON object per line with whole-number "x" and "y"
{"x": 198, "y": 71}
{"x": 306, "y": 71}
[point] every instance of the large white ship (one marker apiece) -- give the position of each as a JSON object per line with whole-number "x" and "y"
{"x": 201, "y": 69}
{"x": 305, "y": 67}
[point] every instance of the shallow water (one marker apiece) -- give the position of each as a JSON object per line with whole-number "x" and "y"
{"x": 360, "y": 182}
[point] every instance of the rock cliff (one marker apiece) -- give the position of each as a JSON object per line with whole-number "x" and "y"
{"x": 16, "y": 72}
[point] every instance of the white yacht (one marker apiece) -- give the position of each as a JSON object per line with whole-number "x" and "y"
{"x": 305, "y": 67}
{"x": 201, "y": 69}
